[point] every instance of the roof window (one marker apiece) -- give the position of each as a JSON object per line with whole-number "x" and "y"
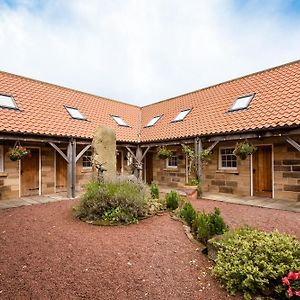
{"x": 75, "y": 113}
{"x": 182, "y": 115}
{"x": 7, "y": 102}
{"x": 120, "y": 121}
{"x": 241, "y": 102}
{"x": 153, "y": 121}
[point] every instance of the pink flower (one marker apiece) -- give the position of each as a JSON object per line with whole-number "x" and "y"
{"x": 290, "y": 292}
{"x": 297, "y": 293}
{"x": 292, "y": 276}
{"x": 285, "y": 281}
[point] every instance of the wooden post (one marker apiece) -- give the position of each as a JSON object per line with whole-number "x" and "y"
{"x": 198, "y": 165}
{"x": 71, "y": 154}
{"x": 139, "y": 158}
{"x": 73, "y": 161}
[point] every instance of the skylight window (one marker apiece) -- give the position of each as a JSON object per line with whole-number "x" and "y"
{"x": 75, "y": 113}
{"x": 182, "y": 115}
{"x": 7, "y": 102}
{"x": 241, "y": 102}
{"x": 120, "y": 121}
{"x": 153, "y": 121}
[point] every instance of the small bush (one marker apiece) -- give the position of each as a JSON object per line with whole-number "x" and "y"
{"x": 188, "y": 213}
{"x": 253, "y": 262}
{"x": 172, "y": 200}
{"x": 205, "y": 226}
{"x": 112, "y": 202}
{"x": 154, "y": 190}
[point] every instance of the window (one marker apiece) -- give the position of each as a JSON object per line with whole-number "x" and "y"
{"x": 241, "y": 102}
{"x": 75, "y": 113}
{"x": 182, "y": 115}
{"x": 87, "y": 159}
{"x": 227, "y": 159}
{"x": 1, "y": 158}
{"x": 7, "y": 102}
{"x": 153, "y": 121}
{"x": 172, "y": 162}
{"x": 119, "y": 121}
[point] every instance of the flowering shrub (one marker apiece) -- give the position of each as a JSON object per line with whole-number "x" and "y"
{"x": 292, "y": 281}
{"x": 18, "y": 152}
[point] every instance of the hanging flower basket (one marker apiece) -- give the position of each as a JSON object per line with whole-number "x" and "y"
{"x": 242, "y": 150}
{"x": 18, "y": 152}
{"x": 164, "y": 153}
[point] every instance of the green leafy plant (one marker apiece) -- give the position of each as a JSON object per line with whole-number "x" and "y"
{"x": 205, "y": 156}
{"x": 172, "y": 200}
{"x": 154, "y": 190}
{"x": 193, "y": 181}
{"x": 292, "y": 282}
{"x": 253, "y": 261}
{"x": 164, "y": 153}
{"x": 188, "y": 213}
{"x": 121, "y": 202}
{"x": 205, "y": 226}
{"x": 244, "y": 149}
{"x": 18, "y": 153}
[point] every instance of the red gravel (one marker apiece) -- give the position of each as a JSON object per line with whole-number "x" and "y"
{"x": 263, "y": 218}
{"x": 47, "y": 254}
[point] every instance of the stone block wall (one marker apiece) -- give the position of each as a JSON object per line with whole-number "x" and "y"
{"x": 172, "y": 177}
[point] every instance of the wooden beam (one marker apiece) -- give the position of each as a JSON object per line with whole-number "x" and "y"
{"x": 69, "y": 174}
{"x": 212, "y": 146}
{"x": 59, "y": 151}
{"x": 73, "y": 168}
{"x": 168, "y": 143}
{"x": 130, "y": 151}
{"x": 145, "y": 152}
{"x": 293, "y": 143}
{"x": 82, "y": 152}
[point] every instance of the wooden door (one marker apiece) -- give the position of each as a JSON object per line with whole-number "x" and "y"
{"x": 61, "y": 173}
{"x": 119, "y": 163}
{"x": 149, "y": 167}
{"x": 262, "y": 171}
{"x": 30, "y": 174}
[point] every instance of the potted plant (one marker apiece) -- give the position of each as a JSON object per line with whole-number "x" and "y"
{"x": 242, "y": 150}
{"x": 164, "y": 153}
{"x": 18, "y": 152}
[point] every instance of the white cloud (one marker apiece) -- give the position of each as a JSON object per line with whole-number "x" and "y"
{"x": 142, "y": 51}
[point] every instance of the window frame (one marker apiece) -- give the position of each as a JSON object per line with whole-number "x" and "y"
{"x": 182, "y": 119}
{"x": 220, "y": 167}
{"x": 123, "y": 125}
{"x": 251, "y": 95}
{"x": 67, "y": 107}
{"x": 13, "y": 100}
{"x": 91, "y": 160}
{"x": 174, "y": 154}
{"x": 1, "y": 158}
{"x": 151, "y": 125}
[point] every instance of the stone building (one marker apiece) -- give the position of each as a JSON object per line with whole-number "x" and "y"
{"x": 57, "y": 125}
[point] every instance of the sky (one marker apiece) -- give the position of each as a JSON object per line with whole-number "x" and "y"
{"x": 144, "y": 51}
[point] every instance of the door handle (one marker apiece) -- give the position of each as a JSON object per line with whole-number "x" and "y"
{"x": 254, "y": 170}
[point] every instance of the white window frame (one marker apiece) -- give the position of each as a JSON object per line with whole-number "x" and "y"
{"x": 153, "y": 121}
{"x": 181, "y": 115}
{"x": 168, "y": 161}
{"x": 119, "y": 120}
{"x": 70, "y": 110}
{"x": 11, "y": 102}
{"x": 241, "y": 102}
{"x": 220, "y": 160}
{"x": 85, "y": 155}
{"x": 1, "y": 159}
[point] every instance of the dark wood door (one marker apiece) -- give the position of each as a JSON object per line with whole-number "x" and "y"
{"x": 149, "y": 167}
{"x": 61, "y": 173}
{"x": 119, "y": 163}
{"x": 262, "y": 171}
{"x": 30, "y": 174}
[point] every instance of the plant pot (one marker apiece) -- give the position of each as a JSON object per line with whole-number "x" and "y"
{"x": 243, "y": 156}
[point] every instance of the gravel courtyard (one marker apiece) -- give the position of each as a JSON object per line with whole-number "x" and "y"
{"x": 47, "y": 254}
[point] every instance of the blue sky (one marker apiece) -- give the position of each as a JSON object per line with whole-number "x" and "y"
{"x": 142, "y": 51}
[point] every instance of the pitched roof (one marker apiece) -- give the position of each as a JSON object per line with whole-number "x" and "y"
{"x": 42, "y": 111}
{"x": 42, "y": 108}
{"x": 276, "y": 104}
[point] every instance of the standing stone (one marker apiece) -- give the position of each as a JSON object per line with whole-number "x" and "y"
{"x": 104, "y": 146}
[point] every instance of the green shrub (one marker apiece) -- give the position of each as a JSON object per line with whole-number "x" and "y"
{"x": 252, "y": 261}
{"x": 112, "y": 202}
{"x": 172, "y": 199}
{"x": 154, "y": 190}
{"x": 188, "y": 213}
{"x": 205, "y": 226}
